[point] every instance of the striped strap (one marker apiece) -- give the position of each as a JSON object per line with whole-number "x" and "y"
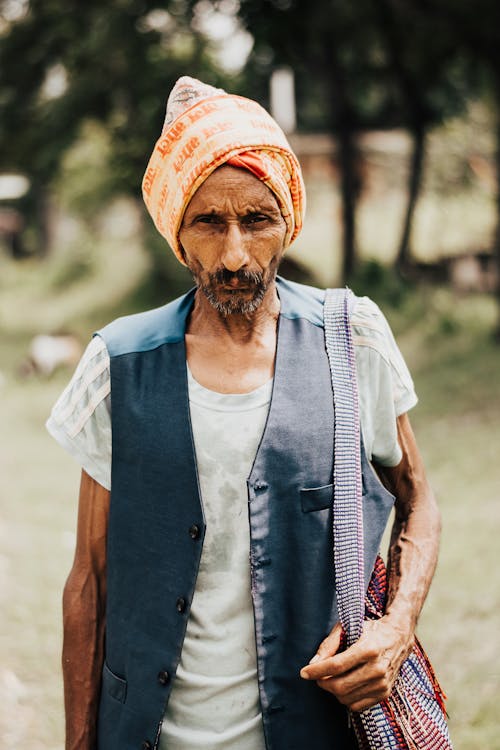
{"x": 347, "y": 482}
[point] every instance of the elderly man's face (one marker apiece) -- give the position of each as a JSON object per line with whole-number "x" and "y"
{"x": 233, "y": 237}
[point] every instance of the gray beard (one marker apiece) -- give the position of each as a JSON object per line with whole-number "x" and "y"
{"x": 235, "y": 304}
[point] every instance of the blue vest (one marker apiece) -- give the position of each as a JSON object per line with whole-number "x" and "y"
{"x": 156, "y": 528}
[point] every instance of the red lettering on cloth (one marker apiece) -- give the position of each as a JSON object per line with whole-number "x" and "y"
{"x": 163, "y": 197}
{"x": 246, "y": 105}
{"x": 187, "y": 151}
{"x": 193, "y": 175}
{"x": 166, "y": 143}
{"x": 219, "y": 128}
{"x": 201, "y": 111}
{"x": 265, "y": 125}
{"x": 149, "y": 178}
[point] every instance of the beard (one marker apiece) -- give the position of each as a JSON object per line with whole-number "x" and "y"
{"x": 242, "y": 301}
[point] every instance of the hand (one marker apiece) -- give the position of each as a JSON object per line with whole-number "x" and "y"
{"x": 363, "y": 674}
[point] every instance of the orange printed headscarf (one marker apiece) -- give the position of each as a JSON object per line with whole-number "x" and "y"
{"x": 205, "y": 128}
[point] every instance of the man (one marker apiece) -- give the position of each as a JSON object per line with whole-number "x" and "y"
{"x": 200, "y": 610}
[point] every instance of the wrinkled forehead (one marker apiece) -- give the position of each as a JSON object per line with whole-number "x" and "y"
{"x": 235, "y": 187}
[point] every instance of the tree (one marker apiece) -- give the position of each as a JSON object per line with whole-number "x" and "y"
{"x": 370, "y": 66}
{"x": 477, "y": 40}
{"x": 329, "y": 46}
{"x": 413, "y": 73}
{"x": 63, "y": 63}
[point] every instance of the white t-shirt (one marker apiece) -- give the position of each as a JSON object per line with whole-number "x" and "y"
{"x": 81, "y": 418}
{"x": 214, "y": 704}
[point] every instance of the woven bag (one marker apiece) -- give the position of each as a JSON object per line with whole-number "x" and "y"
{"x": 413, "y": 717}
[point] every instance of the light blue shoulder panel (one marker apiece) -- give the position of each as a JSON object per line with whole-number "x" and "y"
{"x": 166, "y": 325}
{"x": 301, "y": 301}
{"x": 148, "y": 330}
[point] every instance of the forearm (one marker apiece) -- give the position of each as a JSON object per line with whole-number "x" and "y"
{"x": 84, "y": 618}
{"x": 82, "y": 657}
{"x": 414, "y": 544}
{"x": 413, "y": 556}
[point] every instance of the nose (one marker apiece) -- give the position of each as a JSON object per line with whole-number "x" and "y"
{"x": 235, "y": 254}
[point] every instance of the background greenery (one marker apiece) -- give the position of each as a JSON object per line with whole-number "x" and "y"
{"x": 82, "y": 93}
{"x": 369, "y": 65}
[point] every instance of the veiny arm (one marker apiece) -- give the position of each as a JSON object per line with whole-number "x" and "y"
{"x": 364, "y": 674}
{"x": 84, "y": 617}
{"x": 414, "y": 546}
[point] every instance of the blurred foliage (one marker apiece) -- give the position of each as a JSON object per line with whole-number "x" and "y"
{"x": 73, "y": 72}
{"x": 406, "y": 301}
{"x": 380, "y": 64}
{"x": 85, "y": 183}
{"x": 397, "y": 59}
{"x": 341, "y": 51}
{"x": 83, "y": 89}
{"x": 383, "y": 283}
{"x": 375, "y": 61}
{"x": 115, "y": 62}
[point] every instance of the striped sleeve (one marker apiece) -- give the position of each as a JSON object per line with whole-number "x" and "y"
{"x": 385, "y": 385}
{"x": 80, "y": 420}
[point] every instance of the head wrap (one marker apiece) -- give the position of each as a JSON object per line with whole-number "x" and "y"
{"x": 204, "y": 128}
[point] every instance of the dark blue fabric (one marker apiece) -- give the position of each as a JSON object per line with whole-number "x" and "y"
{"x": 153, "y": 560}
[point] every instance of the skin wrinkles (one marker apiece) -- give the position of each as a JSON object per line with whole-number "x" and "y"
{"x": 233, "y": 237}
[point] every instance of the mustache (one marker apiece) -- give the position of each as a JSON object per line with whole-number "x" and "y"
{"x": 223, "y": 276}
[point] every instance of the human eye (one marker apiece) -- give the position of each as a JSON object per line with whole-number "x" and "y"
{"x": 254, "y": 218}
{"x": 207, "y": 219}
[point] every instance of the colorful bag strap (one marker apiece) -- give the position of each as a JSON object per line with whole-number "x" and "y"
{"x": 347, "y": 481}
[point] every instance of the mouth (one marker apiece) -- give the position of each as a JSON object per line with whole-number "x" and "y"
{"x": 236, "y": 287}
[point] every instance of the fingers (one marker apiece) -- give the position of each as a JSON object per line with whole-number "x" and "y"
{"x": 326, "y": 649}
{"x": 330, "y": 645}
{"x": 358, "y": 700}
{"x": 360, "y": 688}
{"x": 332, "y": 666}
{"x": 364, "y": 674}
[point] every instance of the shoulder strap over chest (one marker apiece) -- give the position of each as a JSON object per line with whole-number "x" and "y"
{"x": 347, "y": 480}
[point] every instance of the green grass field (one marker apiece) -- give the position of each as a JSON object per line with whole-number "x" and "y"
{"x": 447, "y": 342}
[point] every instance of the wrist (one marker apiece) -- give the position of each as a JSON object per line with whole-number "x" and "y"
{"x": 404, "y": 623}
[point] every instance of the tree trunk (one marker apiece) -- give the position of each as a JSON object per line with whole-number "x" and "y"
{"x": 349, "y": 192}
{"x": 403, "y": 259}
{"x": 392, "y": 23}
{"x": 496, "y": 241}
{"x": 348, "y": 161}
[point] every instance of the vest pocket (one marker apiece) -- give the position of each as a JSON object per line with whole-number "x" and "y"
{"x": 316, "y": 498}
{"x": 115, "y": 686}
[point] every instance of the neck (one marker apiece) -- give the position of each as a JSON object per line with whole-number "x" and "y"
{"x": 240, "y": 328}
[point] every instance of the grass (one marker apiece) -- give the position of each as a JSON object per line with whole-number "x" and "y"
{"x": 448, "y": 345}
{"x": 456, "y": 374}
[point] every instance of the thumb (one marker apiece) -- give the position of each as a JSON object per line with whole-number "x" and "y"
{"x": 330, "y": 645}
